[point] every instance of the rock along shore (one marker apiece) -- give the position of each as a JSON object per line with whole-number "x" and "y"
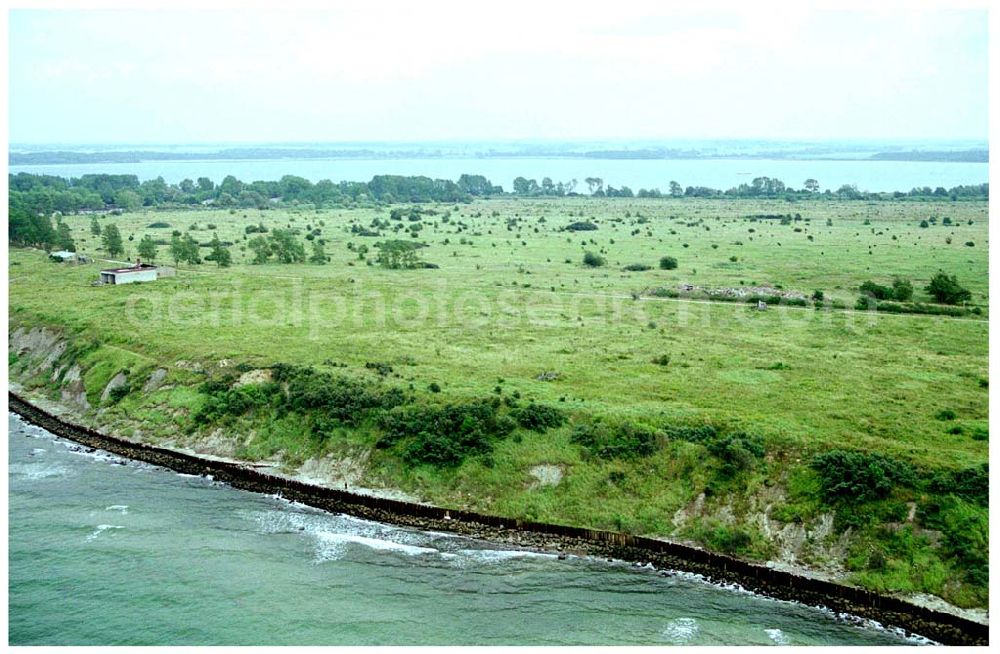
{"x": 939, "y": 626}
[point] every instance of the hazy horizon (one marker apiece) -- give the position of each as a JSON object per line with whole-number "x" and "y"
{"x": 362, "y": 73}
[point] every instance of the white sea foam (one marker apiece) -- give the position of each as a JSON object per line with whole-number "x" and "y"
{"x": 101, "y": 529}
{"x": 875, "y": 625}
{"x": 35, "y": 471}
{"x": 331, "y": 546}
{"x": 487, "y": 556}
{"x": 121, "y": 508}
{"x": 777, "y": 636}
{"x": 37, "y": 450}
{"x": 681, "y": 630}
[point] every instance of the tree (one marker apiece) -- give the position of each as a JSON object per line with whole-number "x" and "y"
{"x": 593, "y": 260}
{"x": 524, "y": 186}
{"x": 594, "y": 184}
{"x": 398, "y": 254}
{"x": 318, "y": 256}
{"x": 220, "y": 253}
{"x": 191, "y": 254}
{"x": 111, "y": 238}
{"x": 128, "y": 200}
{"x": 64, "y": 238}
{"x": 676, "y": 190}
{"x": 946, "y": 290}
{"x": 811, "y": 185}
{"x": 176, "y": 248}
{"x": 147, "y": 249}
{"x": 261, "y": 249}
{"x": 668, "y": 263}
{"x": 29, "y": 228}
{"x": 902, "y": 289}
{"x": 286, "y": 247}
{"x": 95, "y": 227}
{"x": 184, "y": 249}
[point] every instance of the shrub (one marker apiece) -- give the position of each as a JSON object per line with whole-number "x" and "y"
{"x": 445, "y": 435}
{"x": 818, "y": 295}
{"x": 946, "y": 414}
{"x": 876, "y": 291}
{"x": 858, "y": 476}
{"x": 738, "y": 452}
{"x": 581, "y": 226}
{"x": 613, "y": 441}
{"x": 159, "y": 225}
{"x": 728, "y": 540}
{"x": 665, "y": 292}
{"x": 972, "y": 484}
{"x": 668, "y": 263}
{"x": 223, "y": 401}
{"x": 118, "y": 393}
{"x": 946, "y": 290}
{"x": 382, "y": 369}
{"x": 538, "y": 417}
{"x": 434, "y": 387}
{"x": 662, "y": 360}
{"x": 902, "y": 289}
{"x": 593, "y": 260}
{"x": 637, "y": 267}
{"x": 341, "y": 398}
{"x": 924, "y": 224}
{"x": 695, "y": 434}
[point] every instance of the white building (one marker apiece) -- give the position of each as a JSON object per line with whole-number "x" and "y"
{"x": 141, "y": 272}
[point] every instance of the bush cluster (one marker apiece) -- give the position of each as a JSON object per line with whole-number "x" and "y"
{"x": 947, "y": 290}
{"x": 738, "y": 452}
{"x": 972, "y": 484}
{"x": 538, "y": 417}
{"x": 851, "y": 477}
{"x": 445, "y": 435}
{"x": 616, "y": 441}
{"x": 343, "y": 399}
{"x": 901, "y": 290}
{"x": 223, "y": 401}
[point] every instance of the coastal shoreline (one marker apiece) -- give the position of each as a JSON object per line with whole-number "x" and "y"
{"x": 892, "y": 612}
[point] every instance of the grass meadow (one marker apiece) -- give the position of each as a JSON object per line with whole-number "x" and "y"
{"x": 511, "y": 311}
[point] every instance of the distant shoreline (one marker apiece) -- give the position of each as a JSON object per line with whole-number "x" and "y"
{"x": 69, "y": 157}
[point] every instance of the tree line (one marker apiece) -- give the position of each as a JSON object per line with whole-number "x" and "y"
{"x": 33, "y": 197}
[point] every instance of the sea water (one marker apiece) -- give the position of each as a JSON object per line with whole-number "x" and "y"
{"x": 106, "y": 551}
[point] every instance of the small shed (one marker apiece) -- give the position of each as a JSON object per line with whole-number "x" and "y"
{"x": 141, "y": 272}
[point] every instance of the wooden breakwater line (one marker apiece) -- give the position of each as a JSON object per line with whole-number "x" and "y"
{"x": 890, "y": 611}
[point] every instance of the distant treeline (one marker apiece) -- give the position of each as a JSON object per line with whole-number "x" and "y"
{"x": 970, "y": 156}
{"x": 46, "y": 194}
{"x": 268, "y": 153}
{"x": 230, "y": 154}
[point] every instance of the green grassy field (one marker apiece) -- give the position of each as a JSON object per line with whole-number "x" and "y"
{"x": 511, "y": 300}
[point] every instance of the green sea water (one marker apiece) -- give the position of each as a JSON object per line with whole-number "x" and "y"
{"x": 103, "y": 551}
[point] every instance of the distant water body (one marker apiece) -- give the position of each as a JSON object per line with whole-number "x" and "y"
{"x": 103, "y": 551}
{"x": 634, "y": 173}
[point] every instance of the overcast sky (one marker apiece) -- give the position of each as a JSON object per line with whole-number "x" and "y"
{"x": 413, "y": 72}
